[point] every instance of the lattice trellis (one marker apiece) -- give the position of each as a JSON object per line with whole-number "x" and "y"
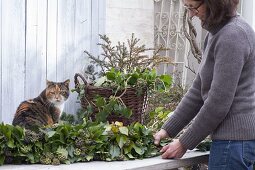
{"x": 168, "y": 32}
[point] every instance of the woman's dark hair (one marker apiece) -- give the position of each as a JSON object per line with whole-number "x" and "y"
{"x": 219, "y": 11}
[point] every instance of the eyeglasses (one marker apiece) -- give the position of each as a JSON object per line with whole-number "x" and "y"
{"x": 193, "y": 9}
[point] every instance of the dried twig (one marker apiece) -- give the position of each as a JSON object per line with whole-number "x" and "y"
{"x": 191, "y": 36}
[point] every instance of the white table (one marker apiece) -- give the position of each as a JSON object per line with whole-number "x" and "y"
{"x": 155, "y": 163}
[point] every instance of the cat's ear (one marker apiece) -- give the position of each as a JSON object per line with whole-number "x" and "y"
{"x": 67, "y": 82}
{"x": 48, "y": 83}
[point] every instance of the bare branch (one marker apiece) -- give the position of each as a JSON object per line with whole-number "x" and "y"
{"x": 127, "y": 57}
{"x": 191, "y": 36}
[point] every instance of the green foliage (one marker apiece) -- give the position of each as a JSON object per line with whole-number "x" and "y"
{"x": 166, "y": 99}
{"x": 123, "y": 66}
{"x": 137, "y": 78}
{"x": 14, "y": 147}
{"x": 67, "y": 143}
{"x": 111, "y": 106}
{"x": 119, "y": 81}
{"x": 156, "y": 118}
{"x": 205, "y": 145}
{"x": 81, "y": 142}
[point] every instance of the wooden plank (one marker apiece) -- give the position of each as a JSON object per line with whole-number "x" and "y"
{"x": 13, "y": 56}
{"x": 31, "y": 53}
{"x": 52, "y": 27}
{"x": 82, "y": 28}
{"x": 42, "y": 43}
{"x": 98, "y": 15}
{"x": 65, "y": 39}
{"x": 35, "y": 48}
{"x": 82, "y": 36}
{"x": 1, "y": 119}
{"x": 101, "y": 17}
{"x": 94, "y": 49}
{"x": 81, "y": 43}
{"x": 66, "y": 45}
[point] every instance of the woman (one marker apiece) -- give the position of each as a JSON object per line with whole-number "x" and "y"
{"x": 222, "y": 96}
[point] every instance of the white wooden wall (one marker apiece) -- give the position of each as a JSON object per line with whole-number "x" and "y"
{"x": 44, "y": 39}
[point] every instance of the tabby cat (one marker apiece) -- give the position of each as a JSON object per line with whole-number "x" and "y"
{"x": 44, "y": 109}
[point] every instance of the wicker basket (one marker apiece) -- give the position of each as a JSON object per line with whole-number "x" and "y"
{"x": 137, "y": 103}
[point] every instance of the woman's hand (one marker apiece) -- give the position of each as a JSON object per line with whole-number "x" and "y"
{"x": 160, "y": 135}
{"x": 173, "y": 150}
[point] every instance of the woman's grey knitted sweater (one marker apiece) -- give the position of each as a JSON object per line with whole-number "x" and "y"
{"x": 222, "y": 96}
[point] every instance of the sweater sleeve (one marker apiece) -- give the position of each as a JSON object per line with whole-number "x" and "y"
{"x": 186, "y": 110}
{"x": 188, "y": 107}
{"x": 230, "y": 53}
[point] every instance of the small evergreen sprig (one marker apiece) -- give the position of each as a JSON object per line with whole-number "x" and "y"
{"x": 126, "y": 57}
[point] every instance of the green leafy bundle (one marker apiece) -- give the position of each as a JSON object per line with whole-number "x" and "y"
{"x": 18, "y": 145}
{"x": 66, "y": 143}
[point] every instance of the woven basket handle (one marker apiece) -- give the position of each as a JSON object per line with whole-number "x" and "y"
{"x": 76, "y": 81}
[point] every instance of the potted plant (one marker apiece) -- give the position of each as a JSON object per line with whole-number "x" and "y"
{"x": 119, "y": 91}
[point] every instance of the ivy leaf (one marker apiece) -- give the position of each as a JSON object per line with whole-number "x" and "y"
{"x": 89, "y": 157}
{"x": 130, "y": 156}
{"x": 10, "y": 143}
{"x": 67, "y": 162}
{"x": 137, "y": 126}
{"x": 18, "y": 133}
{"x": 108, "y": 159}
{"x": 159, "y": 109}
{"x": 121, "y": 140}
{"x": 138, "y": 150}
{"x": 126, "y": 112}
{"x": 51, "y": 133}
{"x": 108, "y": 128}
{"x": 101, "y": 116}
{"x": 152, "y": 114}
{"x": 117, "y": 107}
{"x": 8, "y": 133}
{"x": 2, "y": 158}
{"x": 167, "y": 79}
{"x": 31, "y": 158}
{"x": 39, "y": 145}
{"x": 127, "y": 149}
{"x": 114, "y": 151}
{"x": 124, "y": 130}
{"x": 133, "y": 79}
{"x": 100, "y": 101}
{"x": 111, "y": 75}
{"x": 71, "y": 151}
{"x": 100, "y": 81}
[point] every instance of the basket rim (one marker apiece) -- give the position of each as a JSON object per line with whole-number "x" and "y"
{"x": 108, "y": 88}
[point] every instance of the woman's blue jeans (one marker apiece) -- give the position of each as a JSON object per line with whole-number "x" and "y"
{"x": 232, "y": 155}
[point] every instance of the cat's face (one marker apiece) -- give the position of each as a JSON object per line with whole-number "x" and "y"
{"x": 57, "y": 92}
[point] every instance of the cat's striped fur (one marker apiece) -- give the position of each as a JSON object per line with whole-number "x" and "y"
{"x": 44, "y": 109}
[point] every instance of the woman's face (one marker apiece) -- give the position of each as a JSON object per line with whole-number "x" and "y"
{"x": 196, "y": 8}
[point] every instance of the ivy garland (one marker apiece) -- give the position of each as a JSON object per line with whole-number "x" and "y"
{"x": 67, "y": 143}
{"x": 74, "y": 140}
